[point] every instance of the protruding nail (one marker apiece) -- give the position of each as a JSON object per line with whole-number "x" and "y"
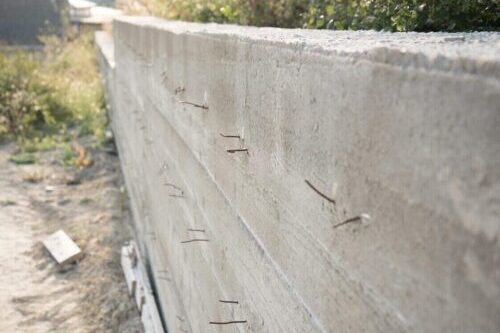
{"x": 201, "y": 106}
{"x": 230, "y": 136}
{"x": 359, "y": 218}
{"x": 319, "y": 192}
{"x": 195, "y": 240}
{"x": 198, "y": 230}
{"x": 231, "y": 302}
{"x": 228, "y": 322}
{"x": 232, "y": 151}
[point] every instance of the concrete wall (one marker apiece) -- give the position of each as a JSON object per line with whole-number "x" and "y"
{"x": 404, "y": 128}
{"x": 22, "y": 21}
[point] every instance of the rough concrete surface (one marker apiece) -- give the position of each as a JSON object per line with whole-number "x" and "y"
{"x": 404, "y": 128}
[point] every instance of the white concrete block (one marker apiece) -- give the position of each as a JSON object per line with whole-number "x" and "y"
{"x": 62, "y": 248}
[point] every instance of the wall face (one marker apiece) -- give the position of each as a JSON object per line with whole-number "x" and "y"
{"x": 22, "y": 21}
{"x": 403, "y": 128}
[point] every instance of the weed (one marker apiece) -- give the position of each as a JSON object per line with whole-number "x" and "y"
{"x": 75, "y": 156}
{"x": 42, "y": 143}
{"x": 23, "y": 158}
{"x": 52, "y": 97}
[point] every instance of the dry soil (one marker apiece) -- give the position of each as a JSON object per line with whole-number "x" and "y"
{"x": 90, "y": 205}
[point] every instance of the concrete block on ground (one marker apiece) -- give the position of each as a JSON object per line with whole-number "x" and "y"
{"x": 62, "y": 248}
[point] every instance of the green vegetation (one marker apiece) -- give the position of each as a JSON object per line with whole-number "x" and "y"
{"x": 391, "y": 15}
{"x": 52, "y": 97}
{"x": 23, "y": 158}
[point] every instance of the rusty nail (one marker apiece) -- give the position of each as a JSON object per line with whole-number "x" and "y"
{"x": 353, "y": 219}
{"x": 228, "y": 322}
{"x": 231, "y": 302}
{"x": 232, "y": 151}
{"x": 195, "y": 240}
{"x": 199, "y": 230}
{"x": 320, "y": 193}
{"x": 201, "y": 106}
{"x": 230, "y": 136}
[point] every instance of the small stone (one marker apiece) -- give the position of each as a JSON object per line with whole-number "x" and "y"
{"x": 50, "y": 188}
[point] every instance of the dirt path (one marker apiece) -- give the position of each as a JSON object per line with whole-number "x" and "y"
{"x": 36, "y": 200}
{"x": 17, "y": 274}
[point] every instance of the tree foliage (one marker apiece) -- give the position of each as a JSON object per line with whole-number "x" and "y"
{"x": 52, "y": 90}
{"x": 391, "y": 15}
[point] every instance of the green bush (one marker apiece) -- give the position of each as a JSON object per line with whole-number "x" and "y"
{"x": 391, "y": 15}
{"x": 26, "y": 102}
{"x": 404, "y": 15}
{"x": 43, "y": 94}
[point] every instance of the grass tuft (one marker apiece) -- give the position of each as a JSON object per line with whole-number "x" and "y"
{"x": 23, "y": 158}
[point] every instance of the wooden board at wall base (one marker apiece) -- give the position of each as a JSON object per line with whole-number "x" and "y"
{"x": 140, "y": 288}
{"x": 62, "y": 248}
{"x": 140, "y": 297}
{"x": 127, "y": 266}
{"x": 151, "y": 321}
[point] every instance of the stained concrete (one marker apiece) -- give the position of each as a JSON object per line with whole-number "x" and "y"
{"x": 401, "y": 127}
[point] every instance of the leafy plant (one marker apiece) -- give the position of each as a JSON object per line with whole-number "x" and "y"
{"x": 26, "y": 102}
{"x": 48, "y": 98}
{"x": 51, "y": 91}
{"x": 51, "y": 96}
{"x": 391, "y": 15}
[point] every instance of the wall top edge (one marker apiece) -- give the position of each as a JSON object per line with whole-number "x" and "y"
{"x": 105, "y": 44}
{"x": 474, "y": 53}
